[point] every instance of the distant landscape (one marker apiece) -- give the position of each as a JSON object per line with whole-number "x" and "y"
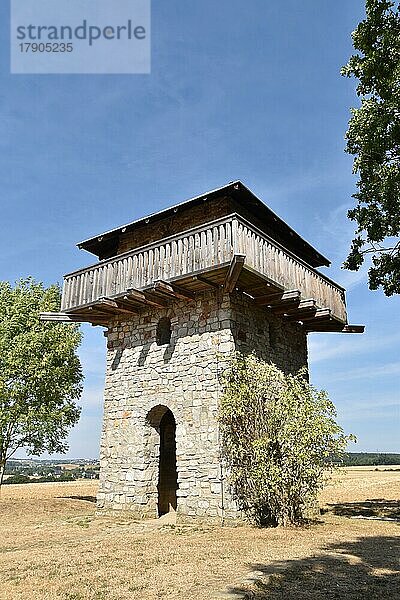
{"x": 34, "y": 470}
{"x": 44, "y": 471}
{"x": 367, "y": 459}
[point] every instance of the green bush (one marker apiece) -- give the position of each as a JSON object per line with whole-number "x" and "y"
{"x": 279, "y": 440}
{"x": 17, "y": 479}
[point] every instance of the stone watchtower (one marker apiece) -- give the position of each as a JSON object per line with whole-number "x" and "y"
{"x": 176, "y": 292}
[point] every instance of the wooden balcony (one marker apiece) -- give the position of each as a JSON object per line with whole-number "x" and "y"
{"x": 229, "y": 252}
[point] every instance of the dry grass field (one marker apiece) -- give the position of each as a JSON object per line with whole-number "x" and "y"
{"x": 54, "y": 547}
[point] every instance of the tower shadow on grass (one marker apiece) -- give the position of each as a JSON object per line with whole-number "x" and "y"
{"x": 85, "y": 498}
{"x": 375, "y": 507}
{"x": 365, "y": 569}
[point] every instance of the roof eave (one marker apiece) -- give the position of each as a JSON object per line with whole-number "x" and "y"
{"x": 232, "y": 187}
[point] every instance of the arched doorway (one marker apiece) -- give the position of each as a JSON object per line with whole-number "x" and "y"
{"x": 167, "y": 474}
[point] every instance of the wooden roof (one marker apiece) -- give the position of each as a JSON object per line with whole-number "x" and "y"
{"x": 241, "y": 200}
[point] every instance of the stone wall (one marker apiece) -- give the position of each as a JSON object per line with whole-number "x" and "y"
{"x": 144, "y": 379}
{"x": 272, "y": 338}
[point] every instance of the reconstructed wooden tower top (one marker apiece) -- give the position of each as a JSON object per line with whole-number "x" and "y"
{"x": 226, "y": 238}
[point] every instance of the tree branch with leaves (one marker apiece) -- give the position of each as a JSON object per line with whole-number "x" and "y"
{"x": 373, "y": 138}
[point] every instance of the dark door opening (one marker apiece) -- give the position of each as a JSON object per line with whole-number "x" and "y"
{"x": 167, "y": 475}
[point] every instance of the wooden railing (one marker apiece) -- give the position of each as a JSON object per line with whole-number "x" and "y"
{"x": 201, "y": 248}
{"x": 269, "y": 258}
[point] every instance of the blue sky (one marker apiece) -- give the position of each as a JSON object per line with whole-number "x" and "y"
{"x": 238, "y": 90}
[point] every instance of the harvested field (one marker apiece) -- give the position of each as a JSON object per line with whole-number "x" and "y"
{"x": 54, "y": 547}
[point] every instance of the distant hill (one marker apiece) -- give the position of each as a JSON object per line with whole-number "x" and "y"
{"x": 366, "y": 459}
{"x": 51, "y": 461}
{"x": 39, "y": 470}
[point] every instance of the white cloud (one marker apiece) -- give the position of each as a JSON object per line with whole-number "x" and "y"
{"x": 323, "y": 349}
{"x": 351, "y": 279}
{"x": 372, "y": 400}
{"x": 367, "y": 411}
{"x": 368, "y": 372}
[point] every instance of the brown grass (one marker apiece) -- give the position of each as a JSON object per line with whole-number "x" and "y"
{"x": 54, "y": 547}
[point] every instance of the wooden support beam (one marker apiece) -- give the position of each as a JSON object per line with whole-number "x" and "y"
{"x": 332, "y": 325}
{"x": 321, "y": 314}
{"x": 253, "y": 280}
{"x": 105, "y": 303}
{"x": 130, "y": 300}
{"x": 284, "y": 307}
{"x": 276, "y": 298}
{"x": 303, "y": 309}
{"x": 172, "y": 290}
{"x": 206, "y": 281}
{"x": 329, "y": 326}
{"x": 154, "y": 300}
{"x": 325, "y": 321}
{"x": 127, "y": 301}
{"x": 353, "y": 329}
{"x": 95, "y": 312}
{"x": 60, "y": 317}
{"x": 130, "y": 294}
{"x": 127, "y": 306}
{"x": 113, "y": 307}
{"x": 307, "y": 304}
{"x": 235, "y": 268}
{"x": 102, "y": 306}
{"x": 282, "y": 302}
{"x": 144, "y": 298}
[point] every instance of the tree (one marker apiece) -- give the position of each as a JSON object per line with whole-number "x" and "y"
{"x": 373, "y": 137}
{"x": 40, "y": 373}
{"x": 279, "y": 438}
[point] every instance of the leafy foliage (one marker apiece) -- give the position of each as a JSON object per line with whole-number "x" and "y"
{"x": 40, "y": 373}
{"x": 373, "y": 138}
{"x": 46, "y": 479}
{"x": 17, "y": 479}
{"x": 279, "y": 440}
